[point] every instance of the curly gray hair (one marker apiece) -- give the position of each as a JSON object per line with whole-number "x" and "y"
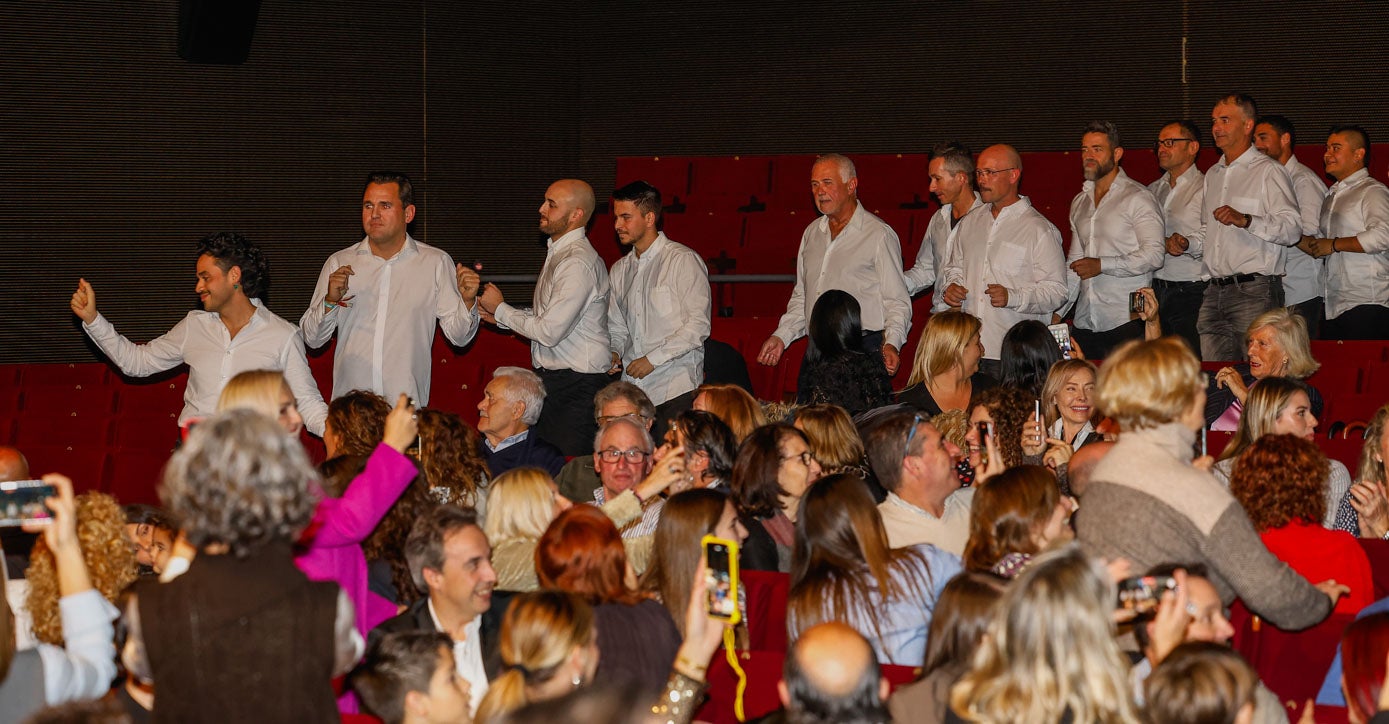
{"x": 240, "y": 481}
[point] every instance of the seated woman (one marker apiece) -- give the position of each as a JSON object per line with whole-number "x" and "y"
{"x": 355, "y": 424}
{"x": 332, "y": 547}
{"x": 834, "y": 441}
{"x": 1277, "y": 347}
{"x": 1068, "y": 413}
{"x": 1278, "y": 480}
{"x": 241, "y": 489}
{"x": 836, "y": 370}
{"x": 1005, "y": 409}
{"x": 773, "y": 470}
{"x": 1053, "y": 625}
{"x": 1026, "y": 356}
{"x": 454, "y": 470}
{"x": 709, "y": 449}
{"x": 582, "y": 553}
{"x": 733, "y": 405}
{"x": 1017, "y": 515}
{"x": 842, "y": 570}
{"x": 1280, "y": 406}
{"x": 106, "y": 553}
{"x": 963, "y": 612}
{"x": 686, "y": 518}
{"x": 945, "y": 371}
{"x": 1364, "y": 509}
{"x": 549, "y": 645}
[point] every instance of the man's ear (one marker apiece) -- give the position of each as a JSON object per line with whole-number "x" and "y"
{"x": 409, "y": 213}
{"x": 416, "y": 705}
{"x": 234, "y": 275}
{"x": 1118, "y": 154}
{"x": 884, "y": 688}
{"x": 783, "y": 693}
{"x": 520, "y": 412}
{"x": 432, "y": 578}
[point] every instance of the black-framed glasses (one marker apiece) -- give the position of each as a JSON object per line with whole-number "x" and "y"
{"x": 1170, "y": 142}
{"x": 917, "y": 419}
{"x": 989, "y": 173}
{"x": 633, "y": 456}
{"x": 805, "y": 457}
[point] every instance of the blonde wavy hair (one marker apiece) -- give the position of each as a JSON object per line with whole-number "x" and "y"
{"x": 1147, "y": 384}
{"x": 105, "y": 550}
{"x": 942, "y": 344}
{"x": 539, "y": 633}
{"x": 1050, "y": 649}
{"x": 520, "y": 506}
{"x": 257, "y": 390}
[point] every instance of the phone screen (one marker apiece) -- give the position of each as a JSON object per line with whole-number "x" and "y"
{"x": 720, "y": 581}
{"x": 22, "y": 501}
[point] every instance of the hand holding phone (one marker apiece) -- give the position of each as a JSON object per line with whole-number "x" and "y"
{"x": 1062, "y": 334}
{"x": 23, "y": 503}
{"x": 1142, "y": 594}
{"x": 721, "y": 579}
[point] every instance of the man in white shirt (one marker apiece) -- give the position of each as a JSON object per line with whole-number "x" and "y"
{"x": 658, "y": 313}
{"x": 916, "y": 464}
{"x": 850, "y": 249}
{"x": 951, "y": 170}
{"x": 1354, "y": 241}
{"x": 1251, "y": 218}
{"x": 383, "y": 295}
{"x": 1304, "y": 281}
{"x": 1007, "y": 265}
{"x": 1180, "y": 285}
{"x": 1116, "y": 245}
{"x": 450, "y": 560}
{"x": 233, "y": 333}
{"x": 568, "y": 322}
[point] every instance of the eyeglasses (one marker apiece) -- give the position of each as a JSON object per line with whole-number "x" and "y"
{"x": 917, "y": 419}
{"x": 632, "y": 456}
{"x": 1170, "y": 142}
{"x": 605, "y": 419}
{"x": 805, "y": 457}
{"x": 988, "y": 173}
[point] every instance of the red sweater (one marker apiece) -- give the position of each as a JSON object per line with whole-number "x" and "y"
{"x": 1319, "y": 554}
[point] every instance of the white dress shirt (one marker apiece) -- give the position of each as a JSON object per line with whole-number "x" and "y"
{"x": 1021, "y": 251}
{"x": 1305, "y": 275}
{"x": 386, "y": 333}
{"x": 935, "y": 250}
{"x": 1357, "y": 206}
{"x": 568, "y": 324}
{"x": 467, "y": 657}
{"x": 1125, "y": 233}
{"x": 267, "y": 342}
{"x": 865, "y": 260}
{"x": 1181, "y": 214}
{"x": 1257, "y": 185}
{"x": 659, "y": 309}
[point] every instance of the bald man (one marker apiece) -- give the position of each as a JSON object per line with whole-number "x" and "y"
{"x": 1007, "y": 265}
{"x": 383, "y": 295}
{"x": 831, "y": 674}
{"x": 567, "y": 323}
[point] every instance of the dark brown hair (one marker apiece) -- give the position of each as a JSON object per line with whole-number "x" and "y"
{"x": 1007, "y": 512}
{"x": 756, "y": 491}
{"x": 676, "y": 552}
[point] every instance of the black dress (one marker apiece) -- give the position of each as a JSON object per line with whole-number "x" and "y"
{"x": 919, "y": 397}
{"x": 854, "y": 380}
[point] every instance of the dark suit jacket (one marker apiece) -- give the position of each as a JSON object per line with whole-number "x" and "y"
{"x": 417, "y": 618}
{"x": 1220, "y": 398}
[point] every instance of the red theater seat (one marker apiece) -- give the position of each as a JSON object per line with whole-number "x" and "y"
{"x": 155, "y": 433}
{"x": 706, "y": 233}
{"x": 603, "y": 237}
{"x": 766, "y": 603}
{"x": 63, "y": 431}
{"x": 135, "y": 475}
{"x": 739, "y": 177}
{"x": 157, "y": 397}
{"x": 83, "y": 463}
{"x": 890, "y": 179}
{"x": 670, "y": 174}
{"x": 68, "y": 400}
{"x": 1291, "y": 664}
{"x": 89, "y": 374}
{"x": 791, "y": 184}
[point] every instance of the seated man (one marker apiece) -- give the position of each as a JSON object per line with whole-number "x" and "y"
{"x": 451, "y": 561}
{"x": 916, "y": 464}
{"x": 510, "y": 405}
{"x": 579, "y": 478}
{"x": 831, "y": 674}
{"x": 622, "y": 455}
{"x": 409, "y": 678}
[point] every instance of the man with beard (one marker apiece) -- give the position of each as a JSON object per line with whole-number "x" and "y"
{"x": 658, "y": 314}
{"x": 850, "y": 249}
{"x": 568, "y": 321}
{"x": 1007, "y": 265}
{"x": 951, "y": 170}
{"x": 1304, "y": 284}
{"x": 1180, "y": 284}
{"x": 1116, "y": 245}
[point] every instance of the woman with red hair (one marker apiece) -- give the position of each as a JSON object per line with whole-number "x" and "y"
{"x": 1280, "y": 482}
{"x": 1363, "y": 649}
{"x": 582, "y": 552}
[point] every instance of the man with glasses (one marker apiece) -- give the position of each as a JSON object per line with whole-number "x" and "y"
{"x": 622, "y": 455}
{"x": 579, "y": 477}
{"x": 1304, "y": 283}
{"x": 511, "y": 404}
{"x": 916, "y": 464}
{"x": 1116, "y": 245}
{"x": 951, "y": 170}
{"x": 1180, "y": 284}
{"x": 1007, "y": 266}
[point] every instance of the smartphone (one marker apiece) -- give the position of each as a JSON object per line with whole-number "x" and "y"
{"x": 1062, "y": 334}
{"x": 413, "y": 451}
{"x": 1142, "y": 593}
{"x": 986, "y": 430}
{"x": 22, "y": 501}
{"x": 1135, "y": 302}
{"x": 721, "y": 579}
{"x": 1203, "y": 442}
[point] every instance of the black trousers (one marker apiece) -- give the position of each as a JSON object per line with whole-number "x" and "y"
{"x": 1367, "y": 321}
{"x": 1097, "y": 345}
{"x": 566, "y": 420}
{"x": 669, "y": 410}
{"x": 1313, "y": 311}
{"x": 1179, "y": 304}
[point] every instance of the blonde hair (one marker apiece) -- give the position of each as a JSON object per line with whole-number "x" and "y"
{"x": 1056, "y": 379}
{"x": 1264, "y": 403}
{"x": 258, "y": 390}
{"x": 520, "y": 505}
{"x": 833, "y": 438}
{"x": 942, "y": 344}
{"x": 1149, "y": 383}
{"x": 732, "y": 404}
{"x": 1050, "y": 649}
{"x": 953, "y": 426}
{"x": 105, "y": 551}
{"x": 540, "y": 631}
{"x": 1291, "y": 332}
{"x": 1372, "y": 470}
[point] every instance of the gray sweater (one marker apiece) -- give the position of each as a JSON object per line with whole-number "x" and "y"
{"x": 1146, "y": 503}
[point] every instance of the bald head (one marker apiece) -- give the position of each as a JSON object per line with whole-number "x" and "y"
{"x": 1003, "y": 152}
{"x": 13, "y": 466}
{"x": 998, "y": 172}
{"x": 832, "y": 671}
{"x": 568, "y": 205}
{"x": 1083, "y": 463}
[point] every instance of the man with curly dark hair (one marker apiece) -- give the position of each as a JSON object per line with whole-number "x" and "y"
{"x": 233, "y": 333}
